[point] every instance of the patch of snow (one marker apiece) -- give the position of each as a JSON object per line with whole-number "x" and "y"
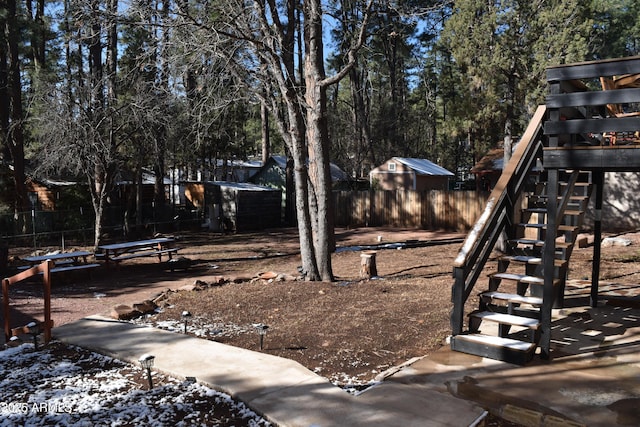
{"x": 615, "y": 241}
{"x": 200, "y": 327}
{"x": 38, "y": 388}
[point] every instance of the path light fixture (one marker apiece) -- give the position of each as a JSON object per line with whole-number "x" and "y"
{"x": 185, "y": 316}
{"x": 146, "y": 361}
{"x": 14, "y": 341}
{"x": 262, "y": 331}
{"x": 34, "y": 331}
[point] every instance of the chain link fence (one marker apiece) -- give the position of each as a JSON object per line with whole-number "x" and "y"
{"x": 75, "y": 227}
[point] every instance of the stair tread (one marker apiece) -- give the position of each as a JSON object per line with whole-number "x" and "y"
{"x": 561, "y": 227}
{"x": 522, "y": 278}
{"x": 532, "y": 260}
{"x": 538, "y": 242}
{"x": 496, "y": 341}
{"x": 504, "y": 296}
{"x": 508, "y": 319}
{"x": 574, "y": 212}
{"x": 576, "y": 184}
{"x": 574, "y": 197}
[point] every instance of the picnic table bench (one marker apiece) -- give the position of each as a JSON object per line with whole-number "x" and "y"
{"x": 117, "y": 252}
{"x": 63, "y": 261}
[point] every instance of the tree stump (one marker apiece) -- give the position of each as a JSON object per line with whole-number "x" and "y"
{"x": 368, "y": 267}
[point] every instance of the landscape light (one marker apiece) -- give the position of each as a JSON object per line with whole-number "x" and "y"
{"x": 34, "y": 331}
{"x": 146, "y": 361}
{"x": 13, "y": 342}
{"x": 186, "y": 315}
{"x": 262, "y": 331}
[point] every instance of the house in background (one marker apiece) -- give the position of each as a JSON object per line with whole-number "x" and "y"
{"x": 488, "y": 169}
{"x": 126, "y": 187}
{"x": 232, "y": 170}
{"x": 274, "y": 174}
{"x": 410, "y": 174}
{"x": 45, "y": 194}
{"x": 235, "y": 206}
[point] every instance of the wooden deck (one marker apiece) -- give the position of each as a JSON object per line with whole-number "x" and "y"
{"x": 590, "y": 125}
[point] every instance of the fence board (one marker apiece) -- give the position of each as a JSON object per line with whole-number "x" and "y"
{"x": 454, "y": 210}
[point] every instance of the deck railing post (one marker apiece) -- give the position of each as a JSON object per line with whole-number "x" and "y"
{"x": 457, "y": 298}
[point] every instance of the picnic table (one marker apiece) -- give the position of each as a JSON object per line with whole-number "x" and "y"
{"x": 62, "y": 261}
{"x": 116, "y": 252}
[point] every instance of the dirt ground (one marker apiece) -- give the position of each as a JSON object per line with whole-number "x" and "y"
{"x": 350, "y": 331}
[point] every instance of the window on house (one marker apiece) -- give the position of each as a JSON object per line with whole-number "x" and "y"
{"x": 392, "y": 167}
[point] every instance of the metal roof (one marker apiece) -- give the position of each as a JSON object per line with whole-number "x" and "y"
{"x": 337, "y": 174}
{"x": 243, "y": 186}
{"x": 423, "y": 166}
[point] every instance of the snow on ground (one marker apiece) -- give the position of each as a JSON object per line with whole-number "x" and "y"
{"x": 69, "y": 386}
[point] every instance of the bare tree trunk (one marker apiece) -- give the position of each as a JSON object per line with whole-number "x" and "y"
{"x": 4, "y": 100}
{"x": 15, "y": 130}
{"x": 159, "y": 196}
{"x": 138, "y": 196}
{"x": 509, "y": 120}
{"x": 290, "y": 196}
{"x": 38, "y": 33}
{"x": 101, "y": 175}
{"x": 266, "y": 143}
{"x": 301, "y": 177}
{"x": 361, "y": 118}
{"x": 318, "y": 139}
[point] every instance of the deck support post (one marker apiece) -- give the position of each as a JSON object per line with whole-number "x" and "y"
{"x": 598, "y": 181}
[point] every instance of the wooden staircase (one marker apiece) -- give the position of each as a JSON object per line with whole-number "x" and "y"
{"x": 514, "y": 296}
{"x": 506, "y": 324}
{"x": 537, "y": 207}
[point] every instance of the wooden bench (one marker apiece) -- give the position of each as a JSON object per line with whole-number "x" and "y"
{"x": 117, "y": 252}
{"x": 145, "y": 252}
{"x": 73, "y": 267}
{"x": 63, "y": 267}
{"x": 62, "y": 261}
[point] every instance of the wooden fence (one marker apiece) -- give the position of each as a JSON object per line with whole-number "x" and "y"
{"x": 452, "y": 210}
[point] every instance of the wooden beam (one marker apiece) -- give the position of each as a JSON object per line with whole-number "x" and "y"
{"x": 594, "y": 69}
{"x": 620, "y": 124}
{"x": 581, "y": 99}
{"x": 616, "y": 158}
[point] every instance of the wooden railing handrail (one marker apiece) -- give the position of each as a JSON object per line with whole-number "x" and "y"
{"x": 496, "y": 201}
{"x": 45, "y": 269}
{"x": 498, "y": 212}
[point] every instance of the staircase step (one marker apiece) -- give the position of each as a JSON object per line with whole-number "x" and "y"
{"x": 576, "y": 184}
{"x": 536, "y": 210}
{"x": 561, "y": 227}
{"x": 498, "y": 341}
{"x": 523, "y": 278}
{"x": 506, "y": 319}
{"x": 505, "y": 349}
{"x": 511, "y": 298}
{"x": 572, "y": 199}
{"x": 537, "y": 242}
{"x": 571, "y": 212}
{"x": 532, "y": 260}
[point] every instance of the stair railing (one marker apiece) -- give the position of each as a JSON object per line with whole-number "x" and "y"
{"x": 497, "y": 214}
